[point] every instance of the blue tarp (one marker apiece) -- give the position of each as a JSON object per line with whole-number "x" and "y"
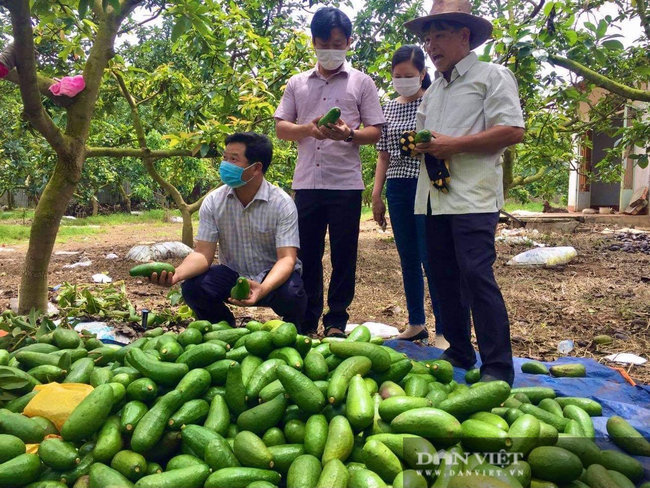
{"x": 602, "y": 384}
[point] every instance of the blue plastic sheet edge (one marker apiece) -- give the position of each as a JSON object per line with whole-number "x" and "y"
{"x": 602, "y": 384}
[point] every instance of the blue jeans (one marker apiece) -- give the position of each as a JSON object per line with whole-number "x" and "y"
{"x": 410, "y": 237}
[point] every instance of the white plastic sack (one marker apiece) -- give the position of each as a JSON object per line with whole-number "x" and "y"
{"x": 85, "y": 262}
{"x": 548, "y": 257}
{"x": 102, "y": 278}
{"x": 376, "y": 329}
{"x": 519, "y": 240}
{"x": 626, "y": 358}
{"x": 158, "y": 252}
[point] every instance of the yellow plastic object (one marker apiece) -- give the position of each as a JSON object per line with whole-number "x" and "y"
{"x": 56, "y": 401}
{"x": 32, "y": 448}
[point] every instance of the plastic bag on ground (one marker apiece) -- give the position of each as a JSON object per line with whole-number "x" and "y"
{"x": 376, "y": 329}
{"x": 102, "y": 278}
{"x": 105, "y": 332}
{"x": 548, "y": 257}
{"x": 56, "y": 401}
{"x": 85, "y": 262}
{"x": 158, "y": 252}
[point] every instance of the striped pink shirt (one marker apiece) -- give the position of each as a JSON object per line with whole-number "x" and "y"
{"x": 327, "y": 164}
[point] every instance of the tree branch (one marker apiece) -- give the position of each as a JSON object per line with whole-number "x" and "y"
{"x": 194, "y": 207}
{"x": 148, "y": 159}
{"x": 129, "y": 152}
{"x": 137, "y": 123}
{"x": 28, "y": 77}
{"x": 644, "y": 16}
{"x": 81, "y": 113}
{"x": 44, "y": 84}
{"x": 521, "y": 181}
{"x": 145, "y": 21}
{"x": 600, "y": 80}
{"x": 535, "y": 11}
{"x": 97, "y": 8}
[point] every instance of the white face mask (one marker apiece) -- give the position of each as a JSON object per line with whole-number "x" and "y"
{"x": 331, "y": 59}
{"x": 407, "y": 87}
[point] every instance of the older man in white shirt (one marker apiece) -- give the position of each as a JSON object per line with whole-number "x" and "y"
{"x": 473, "y": 110}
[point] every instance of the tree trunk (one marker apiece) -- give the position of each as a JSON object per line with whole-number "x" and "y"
{"x": 125, "y": 196}
{"x": 95, "y": 203}
{"x": 10, "y": 200}
{"x": 47, "y": 217}
{"x": 188, "y": 232}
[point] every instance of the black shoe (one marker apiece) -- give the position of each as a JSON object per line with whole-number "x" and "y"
{"x": 487, "y": 377}
{"x": 423, "y": 336}
{"x": 457, "y": 364}
{"x": 334, "y": 334}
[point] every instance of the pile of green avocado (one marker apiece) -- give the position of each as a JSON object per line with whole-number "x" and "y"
{"x": 263, "y": 406}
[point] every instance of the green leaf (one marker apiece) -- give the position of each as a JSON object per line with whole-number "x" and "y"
{"x": 202, "y": 27}
{"x": 116, "y": 6}
{"x": 65, "y": 361}
{"x": 572, "y": 37}
{"x": 548, "y": 8}
{"x": 590, "y": 26}
{"x": 12, "y": 382}
{"x": 83, "y": 8}
{"x": 643, "y": 161}
{"x": 613, "y": 45}
{"x": 181, "y": 26}
{"x": 7, "y": 397}
{"x": 92, "y": 307}
{"x": 602, "y": 28}
{"x": 600, "y": 57}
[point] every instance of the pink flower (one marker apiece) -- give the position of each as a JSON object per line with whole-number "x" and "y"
{"x": 68, "y": 86}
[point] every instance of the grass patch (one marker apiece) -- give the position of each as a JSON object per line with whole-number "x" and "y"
{"x": 149, "y": 216}
{"x": 366, "y": 213}
{"x": 17, "y": 214}
{"x": 530, "y": 206}
{"x": 15, "y": 234}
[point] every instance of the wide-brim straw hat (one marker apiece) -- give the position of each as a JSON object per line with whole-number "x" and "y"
{"x": 458, "y": 11}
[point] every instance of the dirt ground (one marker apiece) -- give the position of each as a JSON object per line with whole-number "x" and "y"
{"x": 600, "y": 292}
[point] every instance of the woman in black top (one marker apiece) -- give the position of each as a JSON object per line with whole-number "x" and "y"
{"x": 410, "y": 80}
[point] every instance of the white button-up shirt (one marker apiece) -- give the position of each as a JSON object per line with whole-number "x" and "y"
{"x": 479, "y": 96}
{"x": 249, "y": 236}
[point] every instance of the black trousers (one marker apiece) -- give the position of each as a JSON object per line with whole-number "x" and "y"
{"x": 207, "y": 295}
{"x": 461, "y": 254}
{"x": 340, "y": 210}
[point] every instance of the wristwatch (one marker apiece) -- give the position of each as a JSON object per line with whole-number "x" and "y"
{"x": 351, "y": 136}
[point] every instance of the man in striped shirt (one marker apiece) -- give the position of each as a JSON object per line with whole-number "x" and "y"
{"x": 255, "y": 225}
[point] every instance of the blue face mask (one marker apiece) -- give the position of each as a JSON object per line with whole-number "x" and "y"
{"x": 231, "y": 174}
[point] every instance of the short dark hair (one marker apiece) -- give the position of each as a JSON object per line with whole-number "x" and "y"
{"x": 328, "y": 18}
{"x": 411, "y": 53}
{"x": 259, "y": 148}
